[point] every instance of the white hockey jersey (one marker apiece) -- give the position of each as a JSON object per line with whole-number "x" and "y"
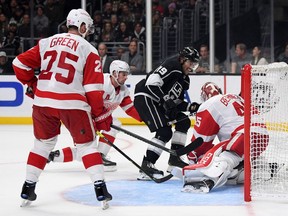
{"x": 222, "y": 116}
{"x": 114, "y": 97}
{"x": 71, "y": 75}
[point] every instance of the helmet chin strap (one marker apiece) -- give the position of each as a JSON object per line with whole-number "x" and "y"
{"x": 116, "y": 80}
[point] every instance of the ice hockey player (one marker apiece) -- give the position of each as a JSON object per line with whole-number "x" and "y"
{"x": 220, "y": 115}
{"x": 159, "y": 99}
{"x": 116, "y": 94}
{"x": 69, "y": 90}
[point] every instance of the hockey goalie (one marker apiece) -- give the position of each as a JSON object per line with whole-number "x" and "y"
{"x": 212, "y": 165}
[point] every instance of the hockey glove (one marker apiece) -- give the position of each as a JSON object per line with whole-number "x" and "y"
{"x": 192, "y": 157}
{"x": 170, "y": 107}
{"x": 32, "y": 85}
{"x": 193, "y": 107}
{"x": 104, "y": 123}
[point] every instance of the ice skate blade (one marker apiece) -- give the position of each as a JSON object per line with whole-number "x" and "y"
{"x": 25, "y": 203}
{"x": 110, "y": 168}
{"x": 104, "y": 205}
{"x": 191, "y": 189}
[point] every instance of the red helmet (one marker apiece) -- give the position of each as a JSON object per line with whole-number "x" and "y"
{"x": 208, "y": 90}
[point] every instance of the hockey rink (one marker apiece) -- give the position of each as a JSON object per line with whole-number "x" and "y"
{"x": 65, "y": 189}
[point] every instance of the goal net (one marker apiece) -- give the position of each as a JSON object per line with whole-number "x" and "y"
{"x": 265, "y": 90}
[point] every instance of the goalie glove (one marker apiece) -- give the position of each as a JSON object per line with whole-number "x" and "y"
{"x": 170, "y": 107}
{"x": 31, "y": 87}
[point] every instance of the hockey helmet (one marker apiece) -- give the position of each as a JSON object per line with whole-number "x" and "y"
{"x": 190, "y": 53}
{"x": 208, "y": 90}
{"x": 118, "y": 66}
{"x": 78, "y": 16}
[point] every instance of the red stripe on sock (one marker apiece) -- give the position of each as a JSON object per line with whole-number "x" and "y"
{"x": 68, "y": 156}
{"x": 36, "y": 160}
{"x": 92, "y": 159}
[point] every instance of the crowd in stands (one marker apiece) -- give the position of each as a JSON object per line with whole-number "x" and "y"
{"x": 119, "y": 25}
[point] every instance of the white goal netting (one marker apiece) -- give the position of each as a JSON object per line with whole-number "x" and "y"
{"x": 269, "y": 95}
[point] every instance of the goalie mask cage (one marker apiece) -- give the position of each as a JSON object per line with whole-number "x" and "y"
{"x": 265, "y": 90}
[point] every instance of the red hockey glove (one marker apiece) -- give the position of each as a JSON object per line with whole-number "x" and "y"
{"x": 192, "y": 157}
{"x": 104, "y": 123}
{"x": 32, "y": 85}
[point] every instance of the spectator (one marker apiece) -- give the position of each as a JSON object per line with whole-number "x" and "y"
{"x": 3, "y": 26}
{"x": 52, "y": 10}
{"x": 106, "y": 15}
{"x": 241, "y": 58}
{"x": 139, "y": 16}
{"x": 127, "y": 17}
{"x": 41, "y": 22}
{"x": 5, "y": 64}
{"x": 11, "y": 40}
{"x": 134, "y": 59}
{"x": 95, "y": 39}
{"x": 156, "y": 6}
{"x": 257, "y": 57}
{"x": 204, "y": 63}
{"x": 107, "y": 29}
{"x": 24, "y": 30}
{"x": 157, "y": 21}
{"x": 171, "y": 12}
{"x": 18, "y": 13}
{"x": 104, "y": 58}
{"x": 283, "y": 57}
{"x": 139, "y": 32}
{"x": 119, "y": 52}
{"x": 114, "y": 22}
{"x": 123, "y": 34}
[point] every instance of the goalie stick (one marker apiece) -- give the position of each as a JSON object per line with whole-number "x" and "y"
{"x": 157, "y": 180}
{"x": 192, "y": 146}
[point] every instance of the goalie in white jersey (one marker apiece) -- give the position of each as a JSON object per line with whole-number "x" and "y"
{"x": 212, "y": 165}
{"x": 69, "y": 90}
{"x": 116, "y": 94}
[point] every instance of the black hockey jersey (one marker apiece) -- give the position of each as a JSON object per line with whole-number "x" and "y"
{"x": 167, "y": 79}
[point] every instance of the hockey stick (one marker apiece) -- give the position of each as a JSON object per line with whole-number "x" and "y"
{"x": 181, "y": 119}
{"x": 157, "y": 180}
{"x": 192, "y": 146}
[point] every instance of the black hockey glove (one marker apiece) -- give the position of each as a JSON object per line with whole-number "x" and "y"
{"x": 193, "y": 107}
{"x": 170, "y": 107}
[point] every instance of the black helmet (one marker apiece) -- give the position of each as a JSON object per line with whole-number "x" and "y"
{"x": 190, "y": 53}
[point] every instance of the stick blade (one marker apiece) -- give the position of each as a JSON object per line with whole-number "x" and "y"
{"x": 192, "y": 146}
{"x": 161, "y": 180}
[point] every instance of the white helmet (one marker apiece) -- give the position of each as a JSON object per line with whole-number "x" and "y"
{"x": 118, "y": 66}
{"x": 78, "y": 16}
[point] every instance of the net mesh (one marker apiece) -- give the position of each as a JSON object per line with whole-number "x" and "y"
{"x": 269, "y": 170}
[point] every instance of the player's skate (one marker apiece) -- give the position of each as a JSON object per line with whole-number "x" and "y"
{"x": 28, "y": 193}
{"x": 52, "y": 155}
{"x": 198, "y": 187}
{"x": 175, "y": 161}
{"x": 149, "y": 168}
{"x": 102, "y": 193}
{"x": 109, "y": 166}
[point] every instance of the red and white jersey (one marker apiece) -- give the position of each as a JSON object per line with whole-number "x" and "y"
{"x": 70, "y": 73}
{"x": 222, "y": 116}
{"x": 114, "y": 97}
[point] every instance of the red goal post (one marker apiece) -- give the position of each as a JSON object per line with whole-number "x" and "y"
{"x": 265, "y": 92}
